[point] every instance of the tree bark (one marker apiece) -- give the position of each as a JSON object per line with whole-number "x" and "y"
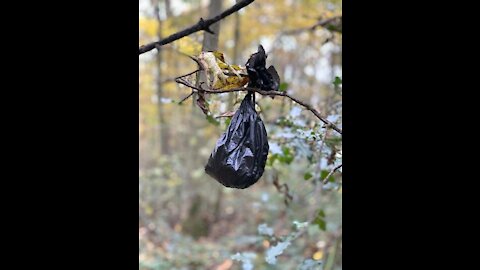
{"x": 210, "y": 41}
{"x": 163, "y": 135}
{"x": 236, "y": 38}
{"x": 235, "y": 55}
{"x": 168, "y": 8}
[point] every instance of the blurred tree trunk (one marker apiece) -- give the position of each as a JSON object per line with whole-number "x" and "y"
{"x": 162, "y": 128}
{"x": 218, "y": 204}
{"x": 168, "y": 8}
{"x": 236, "y": 48}
{"x": 210, "y": 41}
{"x": 236, "y": 39}
{"x": 196, "y": 224}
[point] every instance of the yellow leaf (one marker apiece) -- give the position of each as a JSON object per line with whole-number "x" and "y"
{"x": 318, "y": 255}
{"x": 222, "y": 65}
{"x": 219, "y": 56}
{"x": 236, "y": 67}
{"x": 231, "y": 83}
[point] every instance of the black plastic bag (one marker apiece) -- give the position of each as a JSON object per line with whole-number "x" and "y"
{"x": 259, "y": 75}
{"x": 239, "y": 157}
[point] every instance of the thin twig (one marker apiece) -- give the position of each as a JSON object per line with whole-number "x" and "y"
{"x": 318, "y": 186}
{"x": 327, "y": 123}
{"x": 325, "y": 180}
{"x": 173, "y": 79}
{"x": 185, "y": 98}
{"x": 321, "y": 23}
{"x": 292, "y": 32}
{"x": 201, "y": 25}
{"x": 283, "y": 188}
{"x": 188, "y": 74}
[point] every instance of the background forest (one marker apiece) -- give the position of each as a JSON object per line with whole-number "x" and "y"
{"x": 291, "y": 218}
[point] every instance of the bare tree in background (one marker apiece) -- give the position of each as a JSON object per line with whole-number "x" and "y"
{"x": 210, "y": 41}
{"x": 236, "y": 37}
{"x": 162, "y": 129}
{"x": 168, "y": 8}
{"x": 236, "y": 48}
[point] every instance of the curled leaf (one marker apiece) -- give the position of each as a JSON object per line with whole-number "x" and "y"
{"x": 231, "y": 82}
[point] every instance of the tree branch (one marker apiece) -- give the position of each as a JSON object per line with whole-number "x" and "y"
{"x": 188, "y": 74}
{"x": 185, "y": 98}
{"x": 201, "y": 25}
{"x": 326, "y": 23}
{"x": 325, "y": 180}
{"x": 327, "y": 123}
{"x": 283, "y": 188}
{"x": 322, "y": 23}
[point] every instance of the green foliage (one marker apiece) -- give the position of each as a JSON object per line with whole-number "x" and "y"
{"x": 333, "y": 141}
{"x": 283, "y": 87}
{"x": 324, "y": 174}
{"x": 320, "y": 220}
{"x": 307, "y": 176}
{"x": 337, "y": 81}
{"x": 227, "y": 121}
{"x": 285, "y": 122}
{"x": 287, "y": 156}
{"x": 284, "y": 157}
{"x": 212, "y": 120}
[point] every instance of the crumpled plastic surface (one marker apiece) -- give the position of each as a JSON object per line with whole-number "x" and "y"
{"x": 259, "y": 75}
{"x": 240, "y": 154}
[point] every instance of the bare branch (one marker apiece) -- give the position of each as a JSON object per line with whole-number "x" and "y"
{"x": 327, "y": 123}
{"x": 201, "y": 25}
{"x": 283, "y": 188}
{"x": 185, "y": 98}
{"x": 326, "y": 23}
{"x": 325, "y": 180}
{"x": 321, "y": 23}
{"x": 188, "y": 74}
